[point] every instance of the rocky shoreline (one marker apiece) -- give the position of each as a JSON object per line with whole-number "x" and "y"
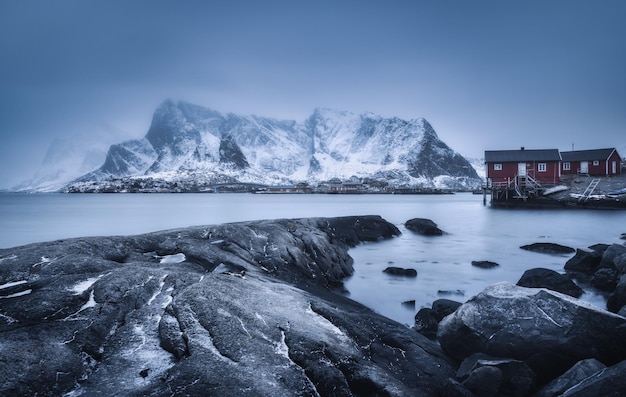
{"x": 256, "y": 309}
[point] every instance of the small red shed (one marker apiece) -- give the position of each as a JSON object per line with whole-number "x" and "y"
{"x": 504, "y": 166}
{"x": 597, "y": 162}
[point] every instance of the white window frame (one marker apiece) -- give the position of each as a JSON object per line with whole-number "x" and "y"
{"x": 596, "y": 162}
{"x": 566, "y": 166}
{"x": 542, "y": 167}
{"x": 497, "y": 167}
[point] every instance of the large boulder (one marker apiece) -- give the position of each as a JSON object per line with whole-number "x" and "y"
{"x": 617, "y": 299}
{"x": 490, "y": 376}
{"x": 611, "y": 254}
{"x": 244, "y": 309}
{"x": 546, "y": 278}
{"x": 573, "y": 376}
{"x": 423, "y": 226}
{"x": 538, "y": 326}
{"x": 585, "y": 261}
{"x": 609, "y": 382}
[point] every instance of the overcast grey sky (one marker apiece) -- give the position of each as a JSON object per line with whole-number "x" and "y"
{"x": 486, "y": 74}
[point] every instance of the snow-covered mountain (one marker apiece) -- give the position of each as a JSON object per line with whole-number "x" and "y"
{"x": 187, "y": 143}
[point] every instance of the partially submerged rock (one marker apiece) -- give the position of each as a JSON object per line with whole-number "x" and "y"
{"x": 423, "y": 226}
{"x": 485, "y": 264}
{"x": 546, "y": 278}
{"x": 548, "y": 248}
{"x": 399, "y": 271}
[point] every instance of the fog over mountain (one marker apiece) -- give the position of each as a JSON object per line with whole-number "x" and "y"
{"x": 189, "y": 144}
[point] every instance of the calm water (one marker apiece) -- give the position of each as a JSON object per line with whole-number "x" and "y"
{"x": 443, "y": 263}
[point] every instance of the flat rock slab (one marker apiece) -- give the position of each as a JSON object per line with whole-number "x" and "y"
{"x": 244, "y": 309}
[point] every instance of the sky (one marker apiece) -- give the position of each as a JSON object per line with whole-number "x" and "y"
{"x": 487, "y": 75}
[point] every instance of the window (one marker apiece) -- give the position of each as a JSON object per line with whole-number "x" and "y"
{"x": 596, "y": 162}
{"x": 566, "y": 166}
{"x": 497, "y": 167}
{"x": 541, "y": 167}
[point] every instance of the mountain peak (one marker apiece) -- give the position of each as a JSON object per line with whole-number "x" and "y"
{"x": 186, "y": 139}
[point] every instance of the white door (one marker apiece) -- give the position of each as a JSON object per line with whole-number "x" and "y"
{"x": 584, "y": 167}
{"x": 521, "y": 169}
{"x": 614, "y": 167}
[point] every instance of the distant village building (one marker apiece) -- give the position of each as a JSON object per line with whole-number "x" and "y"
{"x": 507, "y": 166}
{"x": 526, "y": 174}
{"x": 597, "y": 162}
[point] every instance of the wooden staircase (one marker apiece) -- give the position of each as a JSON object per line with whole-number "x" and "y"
{"x": 525, "y": 186}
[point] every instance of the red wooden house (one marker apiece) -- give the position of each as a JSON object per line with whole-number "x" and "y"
{"x": 504, "y": 167}
{"x": 598, "y": 162}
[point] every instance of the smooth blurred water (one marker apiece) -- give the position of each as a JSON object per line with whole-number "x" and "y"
{"x": 475, "y": 232}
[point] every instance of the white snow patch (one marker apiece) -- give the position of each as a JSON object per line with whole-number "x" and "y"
{"x": 555, "y": 189}
{"x": 161, "y": 284}
{"x": 8, "y": 319}
{"x": 324, "y": 323}
{"x": 257, "y": 315}
{"x": 281, "y": 347}
{"x": 168, "y": 300}
{"x": 90, "y": 303}
{"x": 176, "y": 258}
{"x": 13, "y": 283}
{"x": 17, "y": 294}
{"x": 13, "y": 256}
{"x": 84, "y": 285}
{"x": 43, "y": 259}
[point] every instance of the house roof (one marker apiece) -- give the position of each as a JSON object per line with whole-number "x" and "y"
{"x": 596, "y": 154}
{"x": 507, "y": 156}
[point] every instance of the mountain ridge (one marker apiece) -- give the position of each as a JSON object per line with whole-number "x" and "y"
{"x": 188, "y": 143}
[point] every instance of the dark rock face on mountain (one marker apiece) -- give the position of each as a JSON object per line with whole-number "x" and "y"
{"x": 189, "y": 142}
{"x": 242, "y": 309}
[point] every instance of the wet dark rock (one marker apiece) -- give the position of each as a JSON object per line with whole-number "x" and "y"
{"x": 585, "y": 261}
{"x": 573, "y": 376}
{"x": 426, "y": 322}
{"x": 548, "y": 248}
{"x": 399, "y": 271}
{"x": 611, "y": 254}
{"x": 235, "y": 309}
{"x": 546, "y": 278}
{"x": 485, "y": 264}
{"x": 605, "y": 279}
{"x": 620, "y": 263}
{"x": 490, "y": 376}
{"x": 484, "y": 381}
{"x": 534, "y": 325}
{"x": 606, "y": 382}
{"x": 444, "y": 307}
{"x": 423, "y": 226}
{"x": 447, "y": 292}
{"x": 599, "y": 248}
{"x": 617, "y": 299}
{"x": 409, "y": 303}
